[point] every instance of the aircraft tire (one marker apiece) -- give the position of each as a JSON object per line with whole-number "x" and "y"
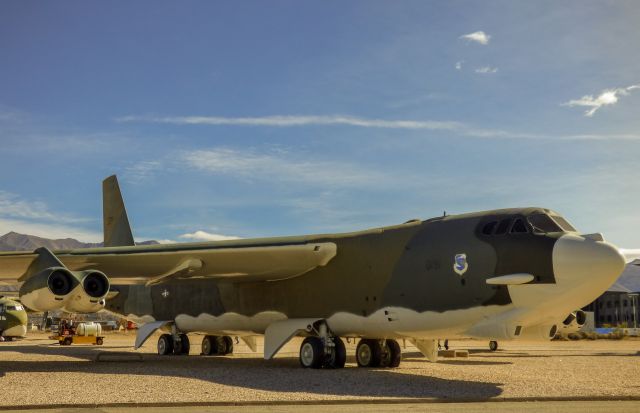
{"x": 312, "y": 353}
{"x": 395, "y": 353}
{"x": 181, "y": 347}
{"x": 220, "y": 346}
{"x": 368, "y": 353}
{"x": 338, "y": 356}
{"x": 493, "y": 345}
{"x": 165, "y": 345}
{"x": 67, "y": 341}
{"x": 229, "y": 344}
{"x": 208, "y": 346}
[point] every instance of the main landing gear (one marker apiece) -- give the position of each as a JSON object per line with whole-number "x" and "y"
{"x": 378, "y": 353}
{"x": 315, "y": 354}
{"x": 179, "y": 345}
{"x": 493, "y": 345}
{"x": 217, "y": 345}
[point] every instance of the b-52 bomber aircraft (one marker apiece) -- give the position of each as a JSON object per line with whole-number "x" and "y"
{"x": 498, "y": 275}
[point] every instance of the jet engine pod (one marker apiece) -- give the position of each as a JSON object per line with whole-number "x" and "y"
{"x": 90, "y": 293}
{"x": 49, "y": 289}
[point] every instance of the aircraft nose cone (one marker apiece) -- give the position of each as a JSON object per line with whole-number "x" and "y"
{"x": 594, "y": 265}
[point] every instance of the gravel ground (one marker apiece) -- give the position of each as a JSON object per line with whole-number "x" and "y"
{"x": 36, "y": 372}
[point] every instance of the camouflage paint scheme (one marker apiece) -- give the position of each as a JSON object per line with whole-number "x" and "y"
{"x": 407, "y": 266}
{"x": 422, "y": 280}
{"x": 13, "y": 319}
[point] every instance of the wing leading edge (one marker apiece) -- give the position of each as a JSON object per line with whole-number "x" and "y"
{"x": 137, "y": 266}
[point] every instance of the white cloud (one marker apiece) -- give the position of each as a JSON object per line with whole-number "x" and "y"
{"x": 459, "y": 65}
{"x": 147, "y": 168}
{"x": 606, "y": 97}
{"x": 478, "y": 37}
{"x": 486, "y": 70}
{"x": 206, "y": 236}
{"x": 280, "y": 167}
{"x": 293, "y": 120}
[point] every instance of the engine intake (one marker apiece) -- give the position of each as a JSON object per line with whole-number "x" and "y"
{"x": 57, "y": 288}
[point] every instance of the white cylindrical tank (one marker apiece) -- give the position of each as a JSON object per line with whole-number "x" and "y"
{"x": 89, "y": 329}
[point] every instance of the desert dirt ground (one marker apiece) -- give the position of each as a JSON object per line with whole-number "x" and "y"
{"x": 37, "y": 371}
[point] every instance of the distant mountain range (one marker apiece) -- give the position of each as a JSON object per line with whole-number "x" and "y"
{"x": 12, "y": 241}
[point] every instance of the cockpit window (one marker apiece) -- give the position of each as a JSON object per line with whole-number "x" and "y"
{"x": 503, "y": 226}
{"x": 564, "y": 224}
{"x": 488, "y": 227}
{"x": 519, "y": 227}
{"x": 14, "y": 308}
{"x": 543, "y": 223}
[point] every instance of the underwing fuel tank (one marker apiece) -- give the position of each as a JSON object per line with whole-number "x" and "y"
{"x": 58, "y": 288}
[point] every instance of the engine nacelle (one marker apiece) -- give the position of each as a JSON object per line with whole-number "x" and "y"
{"x": 58, "y": 288}
{"x": 48, "y": 290}
{"x": 89, "y": 296}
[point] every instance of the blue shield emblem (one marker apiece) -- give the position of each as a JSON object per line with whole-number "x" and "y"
{"x": 460, "y": 265}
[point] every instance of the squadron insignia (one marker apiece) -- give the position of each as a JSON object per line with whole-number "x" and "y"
{"x": 460, "y": 265}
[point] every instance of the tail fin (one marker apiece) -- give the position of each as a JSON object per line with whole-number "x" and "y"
{"x": 117, "y": 231}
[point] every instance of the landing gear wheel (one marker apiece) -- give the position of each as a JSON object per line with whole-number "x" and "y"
{"x": 220, "y": 346}
{"x": 368, "y": 353}
{"x": 395, "y": 353}
{"x": 99, "y": 341}
{"x": 312, "y": 353}
{"x": 229, "y": 344}
{"x": 493, "y": 345}
{"x": 181, "y": 346}
{"x": 67, "y": 341}
{"x": 165, "y": 345}
{"x": 338, "y": 355}
{"x": 208, "y": 346}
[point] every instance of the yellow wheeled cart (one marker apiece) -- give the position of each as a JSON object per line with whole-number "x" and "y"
{"x": 68, "y": 339}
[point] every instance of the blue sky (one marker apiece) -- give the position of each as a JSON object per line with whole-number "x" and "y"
{"x": 287, "y": 117}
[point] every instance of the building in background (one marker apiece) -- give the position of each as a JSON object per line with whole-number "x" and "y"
{"x": 619, "y": 305}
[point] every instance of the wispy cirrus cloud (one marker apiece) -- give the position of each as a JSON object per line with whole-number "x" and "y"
{"x": 35, "y": 218}
{"x": 453, "y": 127}
{"x": 486, "y": 70}
{"x": 294, "y": 120}
{"x": 477, "y": 37}
{"x": 606, "y": 97}
{"x": 280, "y": 167}
{"x": 206, "y": 236}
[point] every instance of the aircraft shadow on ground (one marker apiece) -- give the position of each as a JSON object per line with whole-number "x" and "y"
{"x": 279, "y": 375}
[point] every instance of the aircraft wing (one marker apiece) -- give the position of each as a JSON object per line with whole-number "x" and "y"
{"x": 156, "y": 264}
{"x": 631, "y": 256}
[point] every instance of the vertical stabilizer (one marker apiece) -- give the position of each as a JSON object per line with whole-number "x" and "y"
{"x": 117, "y": 232}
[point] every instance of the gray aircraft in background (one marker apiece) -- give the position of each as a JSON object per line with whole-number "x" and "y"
{"x": 497, "y": 275}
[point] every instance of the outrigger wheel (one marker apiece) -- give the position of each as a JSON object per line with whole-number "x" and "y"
{"x": 493, "y": 345}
